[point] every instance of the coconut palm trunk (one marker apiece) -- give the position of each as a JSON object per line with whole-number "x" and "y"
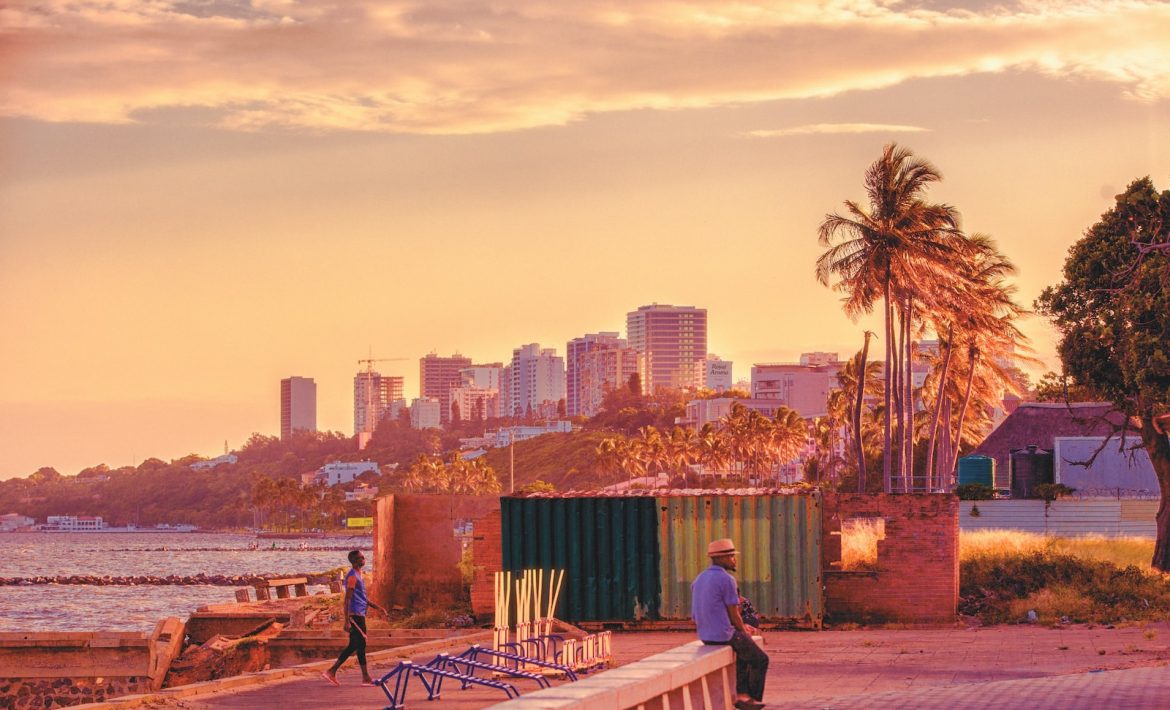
{"x": 887, "y": 452}
{"x": 934, "y": 481}
{"x": 908, "y": 399}
{"x": 858, "y": 402}
{"x": 972, "y": 361}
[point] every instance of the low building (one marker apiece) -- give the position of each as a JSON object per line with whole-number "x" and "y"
{"x": 507, "y": 435}
{"x": 338, "y": 472}
{"x": 73, "y": 523}
{"x": 212, "y": 463}
{"x": 15, "y": 521}
{"x": 361, "y": 492}
{"x": 700, "y": 412}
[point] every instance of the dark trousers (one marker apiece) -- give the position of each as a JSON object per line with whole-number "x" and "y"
{"x": 357, "y": 642}
{"x": 751, "y": 665}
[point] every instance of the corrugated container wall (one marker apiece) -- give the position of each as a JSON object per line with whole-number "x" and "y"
{"x": 778, "y": 538}
{"x": 635, "y": 557}
{"x": 608, "y": 548}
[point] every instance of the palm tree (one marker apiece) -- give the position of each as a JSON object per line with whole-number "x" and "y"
{"x": 883, "y": 251}
{"x": 711, "y": 448}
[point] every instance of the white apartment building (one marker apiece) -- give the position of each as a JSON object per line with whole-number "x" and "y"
{"x": 804, "y": 388}
{"x": 534, "y": 382}
{"x": 469, "y": 402}
{"x": 718, "y": 374}
{"x": 426, "y": 413}
{"x": 338, "y": 472}
{"x": 601, "y": 370}
{"x": 483, "y": 376}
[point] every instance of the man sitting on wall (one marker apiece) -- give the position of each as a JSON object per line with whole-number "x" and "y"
{"x": 715, "y": 609}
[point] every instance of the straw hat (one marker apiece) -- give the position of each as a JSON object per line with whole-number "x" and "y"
{"x": 718, "y": 548}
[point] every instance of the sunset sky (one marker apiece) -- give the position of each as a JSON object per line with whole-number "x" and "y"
{"x": 200, "y": 197}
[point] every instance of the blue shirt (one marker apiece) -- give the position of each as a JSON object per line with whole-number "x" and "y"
{"x": 711, "y": 593}
{"x": 358, "y": 603}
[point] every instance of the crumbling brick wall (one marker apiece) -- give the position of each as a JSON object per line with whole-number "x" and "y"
{"x": 487, "y": 556}
{"x": 916, "y": 578}
{"x": 416, "y": 553}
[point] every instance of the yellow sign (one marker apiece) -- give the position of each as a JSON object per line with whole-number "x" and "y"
{"x": 360, "y": 522}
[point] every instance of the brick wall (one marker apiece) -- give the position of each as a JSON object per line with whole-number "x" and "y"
{"x": 487, "y": 557}
{"x": 916, "y": 579}
{"x": 416, "y": 554}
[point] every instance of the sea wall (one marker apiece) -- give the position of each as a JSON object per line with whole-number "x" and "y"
{"x": 52, "y": 670}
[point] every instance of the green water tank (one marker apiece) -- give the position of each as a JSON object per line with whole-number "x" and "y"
{"x": 977, "y": 469}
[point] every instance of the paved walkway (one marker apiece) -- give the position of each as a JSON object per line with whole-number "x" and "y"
{"x": 1003, "y": 666}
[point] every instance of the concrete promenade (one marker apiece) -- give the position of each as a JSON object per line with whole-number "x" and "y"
{"x": 1004, "y": 666}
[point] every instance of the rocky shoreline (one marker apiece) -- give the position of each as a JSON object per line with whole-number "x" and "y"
{"x": 216, "y": 580}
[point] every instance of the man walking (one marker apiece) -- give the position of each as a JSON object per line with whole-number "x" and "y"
{"x": 354, "y": 604}
{"x": 715, "y": 609}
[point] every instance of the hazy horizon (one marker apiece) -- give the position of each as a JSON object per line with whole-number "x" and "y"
{"x": 198, "y": 199}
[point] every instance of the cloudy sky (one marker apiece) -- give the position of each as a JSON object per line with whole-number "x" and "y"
{"x": 199, "y": 198}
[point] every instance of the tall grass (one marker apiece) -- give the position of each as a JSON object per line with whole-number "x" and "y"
{"x": 859, "y": 542}
{"x": 1005, "y": 574}
{"x": 1121, "y": 551}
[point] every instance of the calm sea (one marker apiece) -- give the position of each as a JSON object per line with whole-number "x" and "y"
{"x": 67, "y": 607}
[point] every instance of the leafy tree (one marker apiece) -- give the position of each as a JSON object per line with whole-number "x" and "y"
{"x": 1112, "y": 310}
{"x": 1061, "y": 388}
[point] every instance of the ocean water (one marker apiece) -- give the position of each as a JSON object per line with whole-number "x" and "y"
{"x": 68, "y": 607}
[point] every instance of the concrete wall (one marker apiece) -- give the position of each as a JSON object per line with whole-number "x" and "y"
{"x": 1122, "y": 517}
{"x": 52, "y": 670}
{"x": 416, "y": 552}
{"x": 916, "y": 579}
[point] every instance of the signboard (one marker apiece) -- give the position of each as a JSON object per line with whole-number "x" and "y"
{"x": 360, "y": 522}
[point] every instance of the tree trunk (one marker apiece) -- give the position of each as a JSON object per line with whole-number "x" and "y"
{"x": 887, "y": 374}
{"x": 972, "y": 361}
{"x": 908, "y": 399}
{"x": 858, "y": 402}
{"x": 896, "y": 385}
{"x": 934, "y": 478}
{"x": 1158, "y": 448}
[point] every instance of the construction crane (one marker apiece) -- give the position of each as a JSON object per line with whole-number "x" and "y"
{"x": 371, "y": 407}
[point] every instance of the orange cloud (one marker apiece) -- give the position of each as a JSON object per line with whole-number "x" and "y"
{"x": 448, "y": 66}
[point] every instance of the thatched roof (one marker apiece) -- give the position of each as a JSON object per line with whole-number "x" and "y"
{"x": 1039, "y": 423}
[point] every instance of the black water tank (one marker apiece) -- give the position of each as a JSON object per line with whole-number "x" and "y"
{"x": 1029, "y": 467}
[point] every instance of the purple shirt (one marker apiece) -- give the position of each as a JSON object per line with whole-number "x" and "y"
{"x": 711, "y": 593}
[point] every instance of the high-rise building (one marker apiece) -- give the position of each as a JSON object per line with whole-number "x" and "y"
{"x": 470, "y": 403}
{"x": 718, "y": 373}
{"x": 534, "y": 382}
{"x": 425, "y": 412}
{"x": 483, "y": 376}
{"x": 601, "y": 370}
{"x": 298, "y": 405}
{"x": 673, "y": 343}
{"x": 375, "y": 396}
{"x": 575, "y": 349}
{"x": 437, "y": 375}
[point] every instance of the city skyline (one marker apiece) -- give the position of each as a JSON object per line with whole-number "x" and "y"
{"x": 285, "y": 186}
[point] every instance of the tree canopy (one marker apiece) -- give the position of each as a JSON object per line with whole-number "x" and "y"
{"x": 1112, "y": 310}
